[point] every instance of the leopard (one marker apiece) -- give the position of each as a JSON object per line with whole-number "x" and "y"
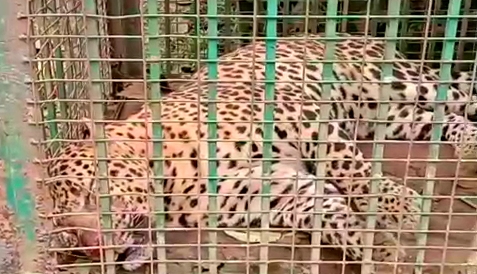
{"x": 75, "y": 192}
{"x": 296, "y": 173}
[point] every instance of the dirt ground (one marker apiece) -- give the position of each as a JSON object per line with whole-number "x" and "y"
{"x": 9, "y": 258}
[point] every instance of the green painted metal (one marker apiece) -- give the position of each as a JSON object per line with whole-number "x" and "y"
{"x": 444, "y": 75}
{"x": 328, "y": 77}
{"x": 93, "y": 45}
{"x": 270, "y": 56}
{"x": 380, "y": 134}
{"x": 12, "y": 146}
{"x": 153, "y": 53}
{"x": 12, "y": 152}
{"x": 212, "y": 56}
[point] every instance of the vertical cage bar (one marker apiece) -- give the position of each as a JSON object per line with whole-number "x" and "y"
{"x": 445, "y": 76}
{"x": 374, "y": 23}
{"x": 195, "y": 48}
{"x": 227, "y": 29}
{"x": 406, "y": 10}
{"x": 153, "y": 53}
{"x": 268, "y": 116}
{"x": 167, "y": 32}
{"x": 212, "y": 56}
{"x": 464, "y": 28}
{"x": 286, "y": 21}
{"x": 380, "y": 134}
{"x": 306, "y": 13}
{"x": 132, "y": 26}
{"x": 314, "y": 7}
{"x": 92, "y": 52}
{"x": 430, "y": 52}
{"x": 325, "y": 108}
{"x": 306, "y": 21}
{"x": 345, "y": 20}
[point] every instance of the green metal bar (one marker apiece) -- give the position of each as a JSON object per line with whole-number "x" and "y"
{"x": 439, "y": 112}
{"x": 394, "y": 10}
{"x": 93, "y": 45}
{"x": 270, "y": 56}
{"x": 212, "y": 56}
{"x": 12, "y": 147}
{"x": 153, "y": 51}
{"x": 328, "y": 77}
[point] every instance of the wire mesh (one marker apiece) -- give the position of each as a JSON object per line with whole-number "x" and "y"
{"x": 73, "y": 79}
{"x": 62, "y": 70}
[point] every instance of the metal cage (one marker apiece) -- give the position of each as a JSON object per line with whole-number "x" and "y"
{"x": 86, "y": 64}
